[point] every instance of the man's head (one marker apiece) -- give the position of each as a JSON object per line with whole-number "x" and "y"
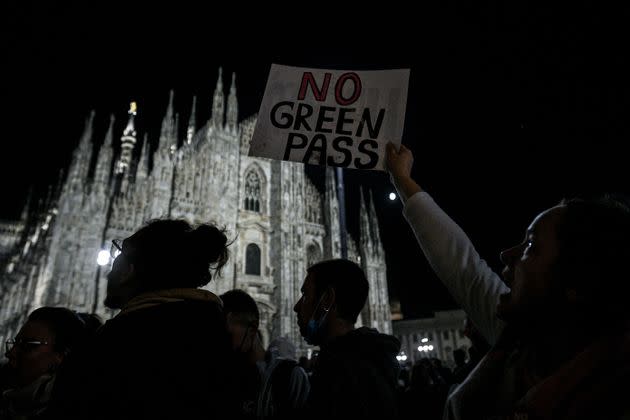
{"x": 571, "y": 261}
{"x": 242, "y": 317}
{"x": 333, "y": 290}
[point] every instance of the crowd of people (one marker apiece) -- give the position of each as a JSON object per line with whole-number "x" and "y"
{"x": 554, "y": 328}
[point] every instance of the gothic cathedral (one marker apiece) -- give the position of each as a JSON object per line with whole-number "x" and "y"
{"x": 280, "y": 221}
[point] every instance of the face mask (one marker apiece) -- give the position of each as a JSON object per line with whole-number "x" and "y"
{"x": 314, "y": 328}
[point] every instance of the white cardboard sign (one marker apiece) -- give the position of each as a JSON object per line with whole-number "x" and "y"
{"x": 331, "y": 117}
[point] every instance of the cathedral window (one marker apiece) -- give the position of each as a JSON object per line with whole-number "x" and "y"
{"x": 252, "y": 192}
{"x": 252, "y": 260}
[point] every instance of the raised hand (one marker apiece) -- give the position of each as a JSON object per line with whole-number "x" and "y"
{"x": 399, "y": 164}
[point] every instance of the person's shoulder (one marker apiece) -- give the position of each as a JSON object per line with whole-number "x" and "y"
{"x": 365, "y": 342}
{"x": 210, "y": 308}
{"x": 282, "y": 364}
{"x": 189, "y": 311}
{"x": 184, "y": 316}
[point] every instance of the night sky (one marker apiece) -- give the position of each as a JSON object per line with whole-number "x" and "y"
{"x": 510, "y": 108}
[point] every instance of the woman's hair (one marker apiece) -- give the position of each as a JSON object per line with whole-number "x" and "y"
{"x": 172, "y": 254}
{"x": 66, "y": 326}
{"x": 594, "y": 252}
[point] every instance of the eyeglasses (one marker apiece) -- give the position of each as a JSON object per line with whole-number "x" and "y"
{"x": 24, "y": 344}
{"x": 116, "y": 248}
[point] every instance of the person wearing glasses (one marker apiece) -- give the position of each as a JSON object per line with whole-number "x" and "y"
{"x": 34, "y": 355}
{"x": 166, "y": 353}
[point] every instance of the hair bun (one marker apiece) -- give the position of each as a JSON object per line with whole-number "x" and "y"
{"x": 186, "y": 254}
{"x": 210, "y": 243}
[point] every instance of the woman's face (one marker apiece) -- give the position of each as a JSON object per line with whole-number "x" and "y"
{"x": 529, "y": 270}
{"x": 33, "y": 354}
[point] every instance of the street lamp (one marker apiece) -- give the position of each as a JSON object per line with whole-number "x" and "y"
{"x": 102, "y": 258}
{"x": 392, "y": 196}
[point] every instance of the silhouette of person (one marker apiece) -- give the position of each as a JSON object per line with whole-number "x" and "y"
{"x": 167, "y": 353}
{"x": 356, "y": 371}
{"x": 557, "y": 320}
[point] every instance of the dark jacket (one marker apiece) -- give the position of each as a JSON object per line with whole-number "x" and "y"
{"x": 591, "y": 384}
{"x": 170, "y": 360}
{"x": 355, "y": 377}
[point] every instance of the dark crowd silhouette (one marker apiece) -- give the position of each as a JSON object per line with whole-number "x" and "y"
{"x": 549, "y": 335}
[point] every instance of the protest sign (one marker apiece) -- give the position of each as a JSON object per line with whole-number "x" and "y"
{"x": 331, "y": 117}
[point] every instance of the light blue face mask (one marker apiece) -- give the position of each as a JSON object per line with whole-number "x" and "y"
{"x": 314, "y": 328}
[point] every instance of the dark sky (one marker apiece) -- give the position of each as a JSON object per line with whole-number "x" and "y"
{"x": 510, "y": 107}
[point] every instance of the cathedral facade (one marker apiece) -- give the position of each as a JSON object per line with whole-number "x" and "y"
{"x": 280, "y": 222}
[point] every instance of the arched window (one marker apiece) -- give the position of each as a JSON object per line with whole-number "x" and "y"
{"x": 252, "y": 260}
{"x": 252, "y": 192}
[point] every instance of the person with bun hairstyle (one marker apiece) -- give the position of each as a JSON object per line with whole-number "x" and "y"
{"x": 167, "y": 353}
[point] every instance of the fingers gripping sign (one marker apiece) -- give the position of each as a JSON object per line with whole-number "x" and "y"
{"x": 399, "y": 164}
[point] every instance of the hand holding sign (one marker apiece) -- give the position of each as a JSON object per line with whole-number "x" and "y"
{"x": 331, "y": 117}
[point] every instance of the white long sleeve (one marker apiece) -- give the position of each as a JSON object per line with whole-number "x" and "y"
{"x": 457, "y": 264}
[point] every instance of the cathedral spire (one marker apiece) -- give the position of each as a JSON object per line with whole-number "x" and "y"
{"x": 218, "y": 105}
{"x": 27, "y": 205}
{"x": 109, "y": 137}
{"x": 88, "y": 130}
{"x": 331, "y": 186}
{"x": 332, "y": 244}
{"x": 105, "y": 155}
{"x": 81, "y": 160}
{"x": 49, "y": 197}
{"x": 59, "y": 187}
{"x": 167, "y": 124}
{"x": 128, "y": 141}
{"x": 192, "y": 121}
{"x": 232, "y": 107}
{"x": 40, "y": 209}
{"x": 364, "y": 225}
{"x": 143, "y": 163}
{"x": 174, "y": 134}
{"x": 376, "y": 235}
